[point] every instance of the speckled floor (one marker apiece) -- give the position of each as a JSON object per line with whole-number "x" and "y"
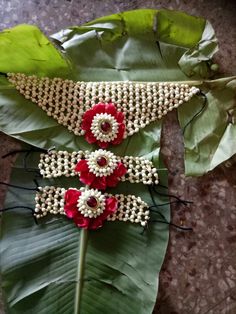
{"x": 199, "y": 272}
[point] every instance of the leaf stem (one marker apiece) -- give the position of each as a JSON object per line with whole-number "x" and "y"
{"x": 192, "y": 83}
{"x": 80, "y": 270}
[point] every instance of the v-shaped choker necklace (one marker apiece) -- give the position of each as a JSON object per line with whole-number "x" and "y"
{"x": 104, "y": 112}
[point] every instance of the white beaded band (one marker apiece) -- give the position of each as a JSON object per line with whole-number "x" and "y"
{"x": 50, "y": 200}
{"x": 62, "y": 163}
{"x": 67, "y": 101}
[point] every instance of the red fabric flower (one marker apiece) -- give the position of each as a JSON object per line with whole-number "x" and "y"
{"x": 71, "y": 210}
{"x": 109, "y": 123}
{"x": 100, "y": 183}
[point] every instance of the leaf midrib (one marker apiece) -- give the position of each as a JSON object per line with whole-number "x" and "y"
{"x": 82, "y": 242}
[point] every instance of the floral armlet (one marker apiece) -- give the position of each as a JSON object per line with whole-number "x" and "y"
{"x": 89, "y": 208}
{"x": 99, "y": 169}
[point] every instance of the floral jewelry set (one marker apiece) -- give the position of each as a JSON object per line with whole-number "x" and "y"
{"x": 104, "y": 113}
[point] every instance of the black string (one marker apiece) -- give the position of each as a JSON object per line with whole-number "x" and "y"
{"x": 154, "y": 202}
{"x": 27, "y": 168}
{"x": 164, "y": 221}
{"x": 163, "y": 186}
{"x": 173, "y": 196}
{"x": 19, "y": 187}
{"x": 152, "y": 197}
{"x": 36, "y": 183}
{"x": 15, "y": 152}
{"x": 50, "y": 149}
{"x": 157, "y": 212}
{"x": 16, "y": 207}
{"x": 28, "y": 152}
{"x": 4, "y": 74}
{"x": 160, "y": 214}
{"x": 163, "y": 204}
{"x": 159, "y": 205}
{"x": 24, "y": 151}
{"x": 167, "y": 223}
{"x": 172, "y": 224}
{"x": 21, "y": 207}
{"x": 178, "y": 200}
{"x": 198, "y": 113}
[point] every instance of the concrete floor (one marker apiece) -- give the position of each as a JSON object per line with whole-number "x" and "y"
{"x": 199, "y": 273}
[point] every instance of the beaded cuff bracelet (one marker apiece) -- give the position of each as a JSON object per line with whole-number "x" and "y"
{"x": 89, "y": 208}
{"x": 104, "y": 112}
{"x": 99, "y": 169}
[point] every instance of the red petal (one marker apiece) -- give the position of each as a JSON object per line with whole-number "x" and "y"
{"x": 111, "y": 205}
{"x": 71, "y": 198}
{"x": 99, "y": 108}
{"x": 120, "y": 170}
{"x": 81, "y": 221}
{"x": 121, "y": 130}
{"x": 120, "y": 135}
{"x": 86, "y": 125}
{"x": 119, "y": 117}
{"x": 70, "y": 211}
{"x": 87, "y": 120}
{"x": 90, "y": 137}
{"x": 111, "y": 109}
{"x": 99, "y": 183}
{"x": 82, "y": 165}
{"x": 102, "y": 144}
{"x": 117, "y": 140}
{"x": 87, "y": 177}
{"x": 96, "y": 223}
{"x": 112, "y": 180}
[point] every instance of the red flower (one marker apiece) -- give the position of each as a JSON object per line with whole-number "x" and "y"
{"x": 89, "y": 178}
{"x": 103, "y": 125}
{"x": 72, "y": 210}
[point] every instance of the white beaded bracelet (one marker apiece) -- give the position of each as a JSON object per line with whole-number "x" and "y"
{"x": 99, "y": 169}
{"x": 89, "y": 208}
{"x": 105, "y": 112}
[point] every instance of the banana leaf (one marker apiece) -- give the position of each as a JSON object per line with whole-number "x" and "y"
{"x": 26, "y": 49}
{"x": 54, "y": 267}
{"x": 42, "y": 265}
{"x": 142, "y": 45}
{"x": 210, "y": 138}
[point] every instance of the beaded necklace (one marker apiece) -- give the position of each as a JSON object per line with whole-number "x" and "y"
{"x": 104, "y": 112}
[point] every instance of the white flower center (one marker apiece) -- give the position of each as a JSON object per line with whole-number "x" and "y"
{"x": 104, "y": 127}
{"x": 91, "y": 203}
{"x": 107, "y": 165}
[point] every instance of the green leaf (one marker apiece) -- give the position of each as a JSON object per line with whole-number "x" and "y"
{"x": 53, "y": 267}
{"x": 195, "y": 61}
{"x": 25, "y": 49}
{"x": 137, "y": 45}
{"x": 211, "y": 136}
{"x": 144, "y": 45}
{"x": 42, "y": 266}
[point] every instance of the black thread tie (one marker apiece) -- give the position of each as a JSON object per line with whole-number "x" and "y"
{"x": 19, "y": 187}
